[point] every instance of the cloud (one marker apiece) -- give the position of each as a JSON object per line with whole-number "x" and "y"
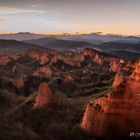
{"x": 5, "y": 10}
{"x": 57, "y": 15}
{"x": 14, "y": 11}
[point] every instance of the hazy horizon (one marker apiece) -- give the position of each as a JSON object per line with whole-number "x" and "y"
{"x": 73, "y": 33}
{"x": 64, "y": 16}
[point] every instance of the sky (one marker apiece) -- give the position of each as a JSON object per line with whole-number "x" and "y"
{"x": 70, "y": 16}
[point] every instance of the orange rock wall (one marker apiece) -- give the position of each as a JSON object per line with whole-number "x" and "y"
{"x": 118, "y": 113}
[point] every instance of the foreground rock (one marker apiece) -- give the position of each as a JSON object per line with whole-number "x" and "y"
{"x": 119, "y": 112}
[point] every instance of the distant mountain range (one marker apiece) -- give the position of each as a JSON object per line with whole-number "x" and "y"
{"x": 21, "y": 36}
{"x": 59, "y": 44}
{"x": 95, "y": 38}
{"x": 121, "y": 49}
{"x": 122, "y": 46}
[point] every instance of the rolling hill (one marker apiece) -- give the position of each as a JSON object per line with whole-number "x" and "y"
{"x": 59, "y": 44}
{"x": 8, "y": 47}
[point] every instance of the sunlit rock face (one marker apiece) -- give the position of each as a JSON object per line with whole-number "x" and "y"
{"x": 44, "y": 58}
{"x": 69, "y": 62}
{"x": 114, "y": 66}
{"x": 45, "y": 96}
{"x": 79, "y": 57}
{"x": 100, "y": 58}
{"x": 136, "y": 74}
{"x": 118, "y": 79}
{"x": 89, "y": 52}
{"x": 5, "y": 59}
{"x": 132, "y": 64}
{"x": 34, "y": 53}
{"x": 122, "y": 61}
{"x": 38, "y": 55}
{"x": 117, "y": 113}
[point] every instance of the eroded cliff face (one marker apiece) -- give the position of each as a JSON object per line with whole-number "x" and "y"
{"x": 117, "y": 113}
{"x": 51, "y": 57}
{"x": 45, "y": 96}
{"x": 118, "y": 79}
{"x": 114, "y": 66}
{"x": 136, "y": 74}
{"x": 101, "y": 58}
{"x": 98, "y": 59}
{"x": 132, "y": 64}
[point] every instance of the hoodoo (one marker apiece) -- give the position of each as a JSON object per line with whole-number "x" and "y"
{"x": 45, "y": 96}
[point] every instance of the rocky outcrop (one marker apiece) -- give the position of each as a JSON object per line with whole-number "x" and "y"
{"x": 45, "y": 96}
{"x": 114, "y": 66}
{"x": 34, "y": 53}
{"x": 98, "y": 59}
{"x": 122, "y": 61}
{"x": 136, "y": 74}
{"x": 118, "y": 79}
{"x": 44, "y": 58}
{"x": 5, "y": 59}
{"x": 132, "y": 64}
{"x": 117, "y": 113}
{"x": 46, "y": 70}
{"x": 89, "y": 52}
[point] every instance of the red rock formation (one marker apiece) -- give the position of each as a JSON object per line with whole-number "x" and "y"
{"x": 89, "y": 52}
{"x": 122, "y": 61}
{"x": 114, "y": 66}
{"x": 37, "y": 54}
{"x": 79, "y": 57}
{"x": 53, "y": 60}
{"x": 43, "y": 58}
{"x": 136, "y": 74}
{"x": 44, "y": 70}
{"x": 34, "y": 53}
{"x": 132, "y": 64}
{"x": 45, "y": 96}
{"x": 119, "y": 112}
{"x": 118, "y": 79}
{"x": 98, "y": 59}
{"x": 5, "y": 59}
